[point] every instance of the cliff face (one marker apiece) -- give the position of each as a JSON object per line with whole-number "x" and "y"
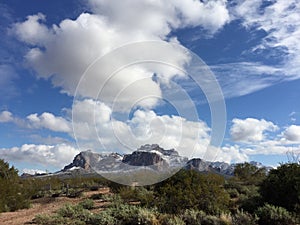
{"x": 82, "y": 160}
{"x": 89, "y": 160}
{"x": 143, "y": 159}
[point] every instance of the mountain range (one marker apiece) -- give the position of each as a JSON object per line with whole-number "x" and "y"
{"x": 148, "y": 156}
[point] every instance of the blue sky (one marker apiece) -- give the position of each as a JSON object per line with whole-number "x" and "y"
{"x": 48, "y": 112}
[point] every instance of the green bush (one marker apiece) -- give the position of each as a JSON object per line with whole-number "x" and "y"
{"x": 141, "y": 194}
{"x": 273, "y": 215}
{"x": 282, "y": 187}
{"x": 192, "y": 190}
{"x": 74, "y": 193}
{"x": 87, "y": 204}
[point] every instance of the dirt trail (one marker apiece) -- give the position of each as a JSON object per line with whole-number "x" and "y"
{"x": 42, "y": 206}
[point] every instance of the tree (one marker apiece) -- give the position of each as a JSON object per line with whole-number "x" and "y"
{"x": 249, "y": 173}
{"x": 7, "y": 172}
{"x": 12, "y": 195}
{"x": 282, "y": 187}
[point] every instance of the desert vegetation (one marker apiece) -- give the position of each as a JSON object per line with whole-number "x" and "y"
{"x": 252, "y": 196}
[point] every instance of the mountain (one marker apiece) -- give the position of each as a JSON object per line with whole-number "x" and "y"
{"x": 154, "y": 155}
{"x": 89, "y": 160}
{"x": 206, "y": 166}
{"x": 148, "y": 156}
{"x": 151, "y": 156}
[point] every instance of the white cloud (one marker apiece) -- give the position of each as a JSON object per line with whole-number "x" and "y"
{"x": 250, "y": 129}
{"x": 45, "y": 155}
{"x": 5, "y": 116}
{"x": 49, "y": 121}
{"x": 96, "y": 128}
{"x": 32, "y": 31}
{"x": 66, "y": 50}
{"x": 292, "y": 133}
{"x": 231, "y": 154}
{"x": 251, "y": 135}
{"x": 33, "y": 171}
{"x": 281, "y": 21}
{"x": 159, "y": 17}
{"x": 270, "y": 147}
{"x": 235, "y": 78}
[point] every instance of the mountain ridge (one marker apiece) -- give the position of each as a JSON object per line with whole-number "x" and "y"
{"x": 150, "y": 156}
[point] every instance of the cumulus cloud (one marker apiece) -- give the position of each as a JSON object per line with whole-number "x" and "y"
{"x": 6, "y": 116}
{"x": 45, "y": 155}
{"x": 33, "y": 171}
{"x": 292, "y": 133}
{"x": 95, "y": 127}
{"x": 159, "y": 17}
{"x": 252, "y": 138}
{"x": 250, "y": 129}
{"x": 32, "y": 31}
{"x": 231, "y": 154}
{"x": 113, "y": 24}
{"x": 49, "y": 121}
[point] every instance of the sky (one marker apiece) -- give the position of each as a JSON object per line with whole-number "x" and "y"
{"x": 216, "y": 79}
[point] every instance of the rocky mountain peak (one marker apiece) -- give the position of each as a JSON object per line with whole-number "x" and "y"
{"x": 157, "y": 149}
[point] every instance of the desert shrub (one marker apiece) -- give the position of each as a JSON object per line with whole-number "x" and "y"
{"x": 273, "y": 215}
{"x": 282, "y": 187}
{"x": 212, "y": 220}
{"x": 141, "y": 194}
{"x": 125, "y": 214}
{"x": 169, "y": 219}
{"x": 244, "y": 218}
{"x": 192, "y": 190}
{"x": 87, "y": 204}
{"x": 75, "y": 212}
{"x": 74, "y": 193}
{"x": 233, "y": 193}
{"x": 103, "y": 218}
{"x": 56, "y": 220}
{"x": 97, "y": 196}
{"x": 94, "y": 188}
{"x": 193, "y": 217}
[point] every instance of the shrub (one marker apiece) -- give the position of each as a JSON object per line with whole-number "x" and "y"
{"x": 273, "y": 215}
{"x": 192, "y": 190}
{"x": 103, "y": 218}
{"x": 97, "y": 196}
{"x": 212, "y": 220}
{"x": 244, "y": 218}
{"x": 87, "y": 204}
{"x": 193, "y": 217}
{"x": 168, "y": 219}
{"x": 282, "y": 187}
{"x": 74, "y": 193}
